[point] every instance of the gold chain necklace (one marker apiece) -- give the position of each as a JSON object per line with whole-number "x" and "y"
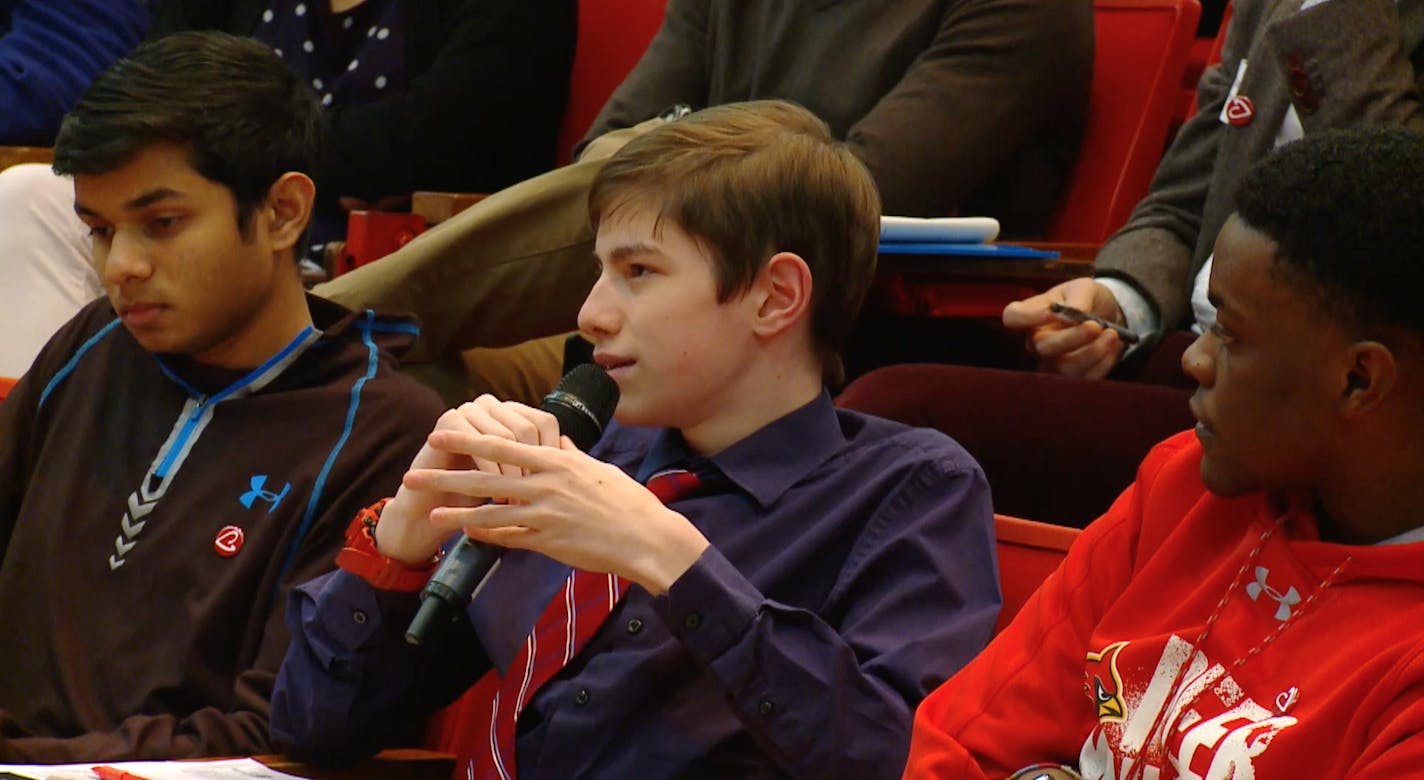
{"x": 1161, "y": 727}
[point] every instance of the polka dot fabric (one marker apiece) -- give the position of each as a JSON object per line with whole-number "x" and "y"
{"x": 354, "y": 57}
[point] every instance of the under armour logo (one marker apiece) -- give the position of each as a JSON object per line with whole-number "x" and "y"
{"x": 259, "y": 492}
{"x": 1286, "y": 600}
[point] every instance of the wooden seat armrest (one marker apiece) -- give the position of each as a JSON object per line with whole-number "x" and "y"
{"x": 15, "y": 155}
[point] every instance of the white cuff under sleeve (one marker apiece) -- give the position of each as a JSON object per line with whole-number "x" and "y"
{"x": 1140, "y": 316}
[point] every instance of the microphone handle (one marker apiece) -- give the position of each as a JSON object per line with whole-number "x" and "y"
{"x": 453, "y": 584}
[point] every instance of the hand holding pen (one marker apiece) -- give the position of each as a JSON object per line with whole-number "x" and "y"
{"x": 1069, "y": 314}
{"x": 1073, "y": 328}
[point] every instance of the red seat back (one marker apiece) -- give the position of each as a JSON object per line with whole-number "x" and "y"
{"x": 1053, "y": 448}
{"x": 1141, "y": 54}
{"x": 612, "y": 35}
{"x": 1213, "y": 56}
{"x": 1028, "y": 552}
{"x": 1205, "y": 52}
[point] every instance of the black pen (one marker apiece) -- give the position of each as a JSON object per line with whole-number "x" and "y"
{"x": 1069, "y": 314}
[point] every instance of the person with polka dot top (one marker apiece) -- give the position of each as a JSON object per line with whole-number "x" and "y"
{"x": 453, "y": 95}
{"x": 450, "y": 95}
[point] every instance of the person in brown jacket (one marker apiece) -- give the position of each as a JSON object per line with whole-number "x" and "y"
{"x": 1289, "y": 69}
{"x": 190, "y": 447}
{"x": 955, "y": 106}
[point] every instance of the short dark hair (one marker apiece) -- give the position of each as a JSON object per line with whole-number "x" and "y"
{"x": 752, "y": 179}
{"x": 1346, "y": 211}
{"x": 244, "y": 116}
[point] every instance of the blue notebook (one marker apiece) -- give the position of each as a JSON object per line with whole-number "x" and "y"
{"x": 964, "y": 250}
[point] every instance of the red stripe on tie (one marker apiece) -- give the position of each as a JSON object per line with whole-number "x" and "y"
{"x": 568, "y": 622}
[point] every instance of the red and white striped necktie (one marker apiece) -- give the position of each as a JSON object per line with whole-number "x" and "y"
{"x": 571, "y": 618}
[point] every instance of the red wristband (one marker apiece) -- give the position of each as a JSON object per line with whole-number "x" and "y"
{"x": 360, "y": 556}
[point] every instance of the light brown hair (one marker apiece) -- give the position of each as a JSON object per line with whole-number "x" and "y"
{"x": 749, "y": 180}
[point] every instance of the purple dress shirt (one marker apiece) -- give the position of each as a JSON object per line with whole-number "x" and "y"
{"x": 851, "y": 571}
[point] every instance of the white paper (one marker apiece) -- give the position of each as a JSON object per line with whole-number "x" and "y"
{"x": 220, "y": 769}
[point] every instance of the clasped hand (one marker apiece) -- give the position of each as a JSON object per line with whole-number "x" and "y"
{"x": 502, "y": 473}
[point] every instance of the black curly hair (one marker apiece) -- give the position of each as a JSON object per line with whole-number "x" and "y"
{"x": 1346, "y": 211}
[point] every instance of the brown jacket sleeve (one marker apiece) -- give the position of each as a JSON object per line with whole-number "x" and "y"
{"x": 1001, "y": 79}
{"x": 987, "y": 117}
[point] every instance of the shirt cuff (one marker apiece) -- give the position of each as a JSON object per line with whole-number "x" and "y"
{"x": 1140, "y": 316}
{"x": 710, "y": 607}
{"x": 342, "y": 613}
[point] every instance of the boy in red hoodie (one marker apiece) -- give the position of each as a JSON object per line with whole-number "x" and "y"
{"x": 1253, "y": 607}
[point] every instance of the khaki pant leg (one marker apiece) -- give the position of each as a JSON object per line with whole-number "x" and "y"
{"x": 513, "y": 267}
{"x": 524, "y": 372}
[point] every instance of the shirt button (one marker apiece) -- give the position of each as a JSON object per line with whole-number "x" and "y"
{"x": 358, "y": 616}
{"x": 634, "y": 626}
{"x": 581, "y": 698}
{"x": 766, "y": 708}
{"x": 691, "y": 621}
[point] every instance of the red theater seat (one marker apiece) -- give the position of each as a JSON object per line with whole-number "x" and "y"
{"x": 1205, "y": 53}
{"x": 1141, "y": 54}
{"x": 1055, "y": 449}
{"x": 1029, "y": 551}
{"x": 612, "y": 35}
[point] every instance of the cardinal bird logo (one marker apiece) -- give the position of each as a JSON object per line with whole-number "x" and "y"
{"x": 1103, "y": 684}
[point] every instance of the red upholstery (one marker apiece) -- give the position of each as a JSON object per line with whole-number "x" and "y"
{"x": 612, "y": 35}
{"x": 6, "y": 385}
{"x": 1053, "y": 448}
{"x": 1205, "y": 53}
{"x": 1028, "y": 552}
{"x": 1214, "y": 55}
{"x": 1137, "y": 71}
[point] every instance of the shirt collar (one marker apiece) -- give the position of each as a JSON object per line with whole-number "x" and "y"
{"x": 1301, "y": 516}
{"x": 768, "y": 462}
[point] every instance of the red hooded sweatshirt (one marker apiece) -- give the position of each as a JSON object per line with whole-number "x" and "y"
{"x": 1201, "y": 637}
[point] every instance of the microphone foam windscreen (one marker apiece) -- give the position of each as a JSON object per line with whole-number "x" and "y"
{"x": 583, "y": 403}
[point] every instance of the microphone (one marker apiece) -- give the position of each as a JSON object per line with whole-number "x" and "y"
{"x": 583, "y": 403}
